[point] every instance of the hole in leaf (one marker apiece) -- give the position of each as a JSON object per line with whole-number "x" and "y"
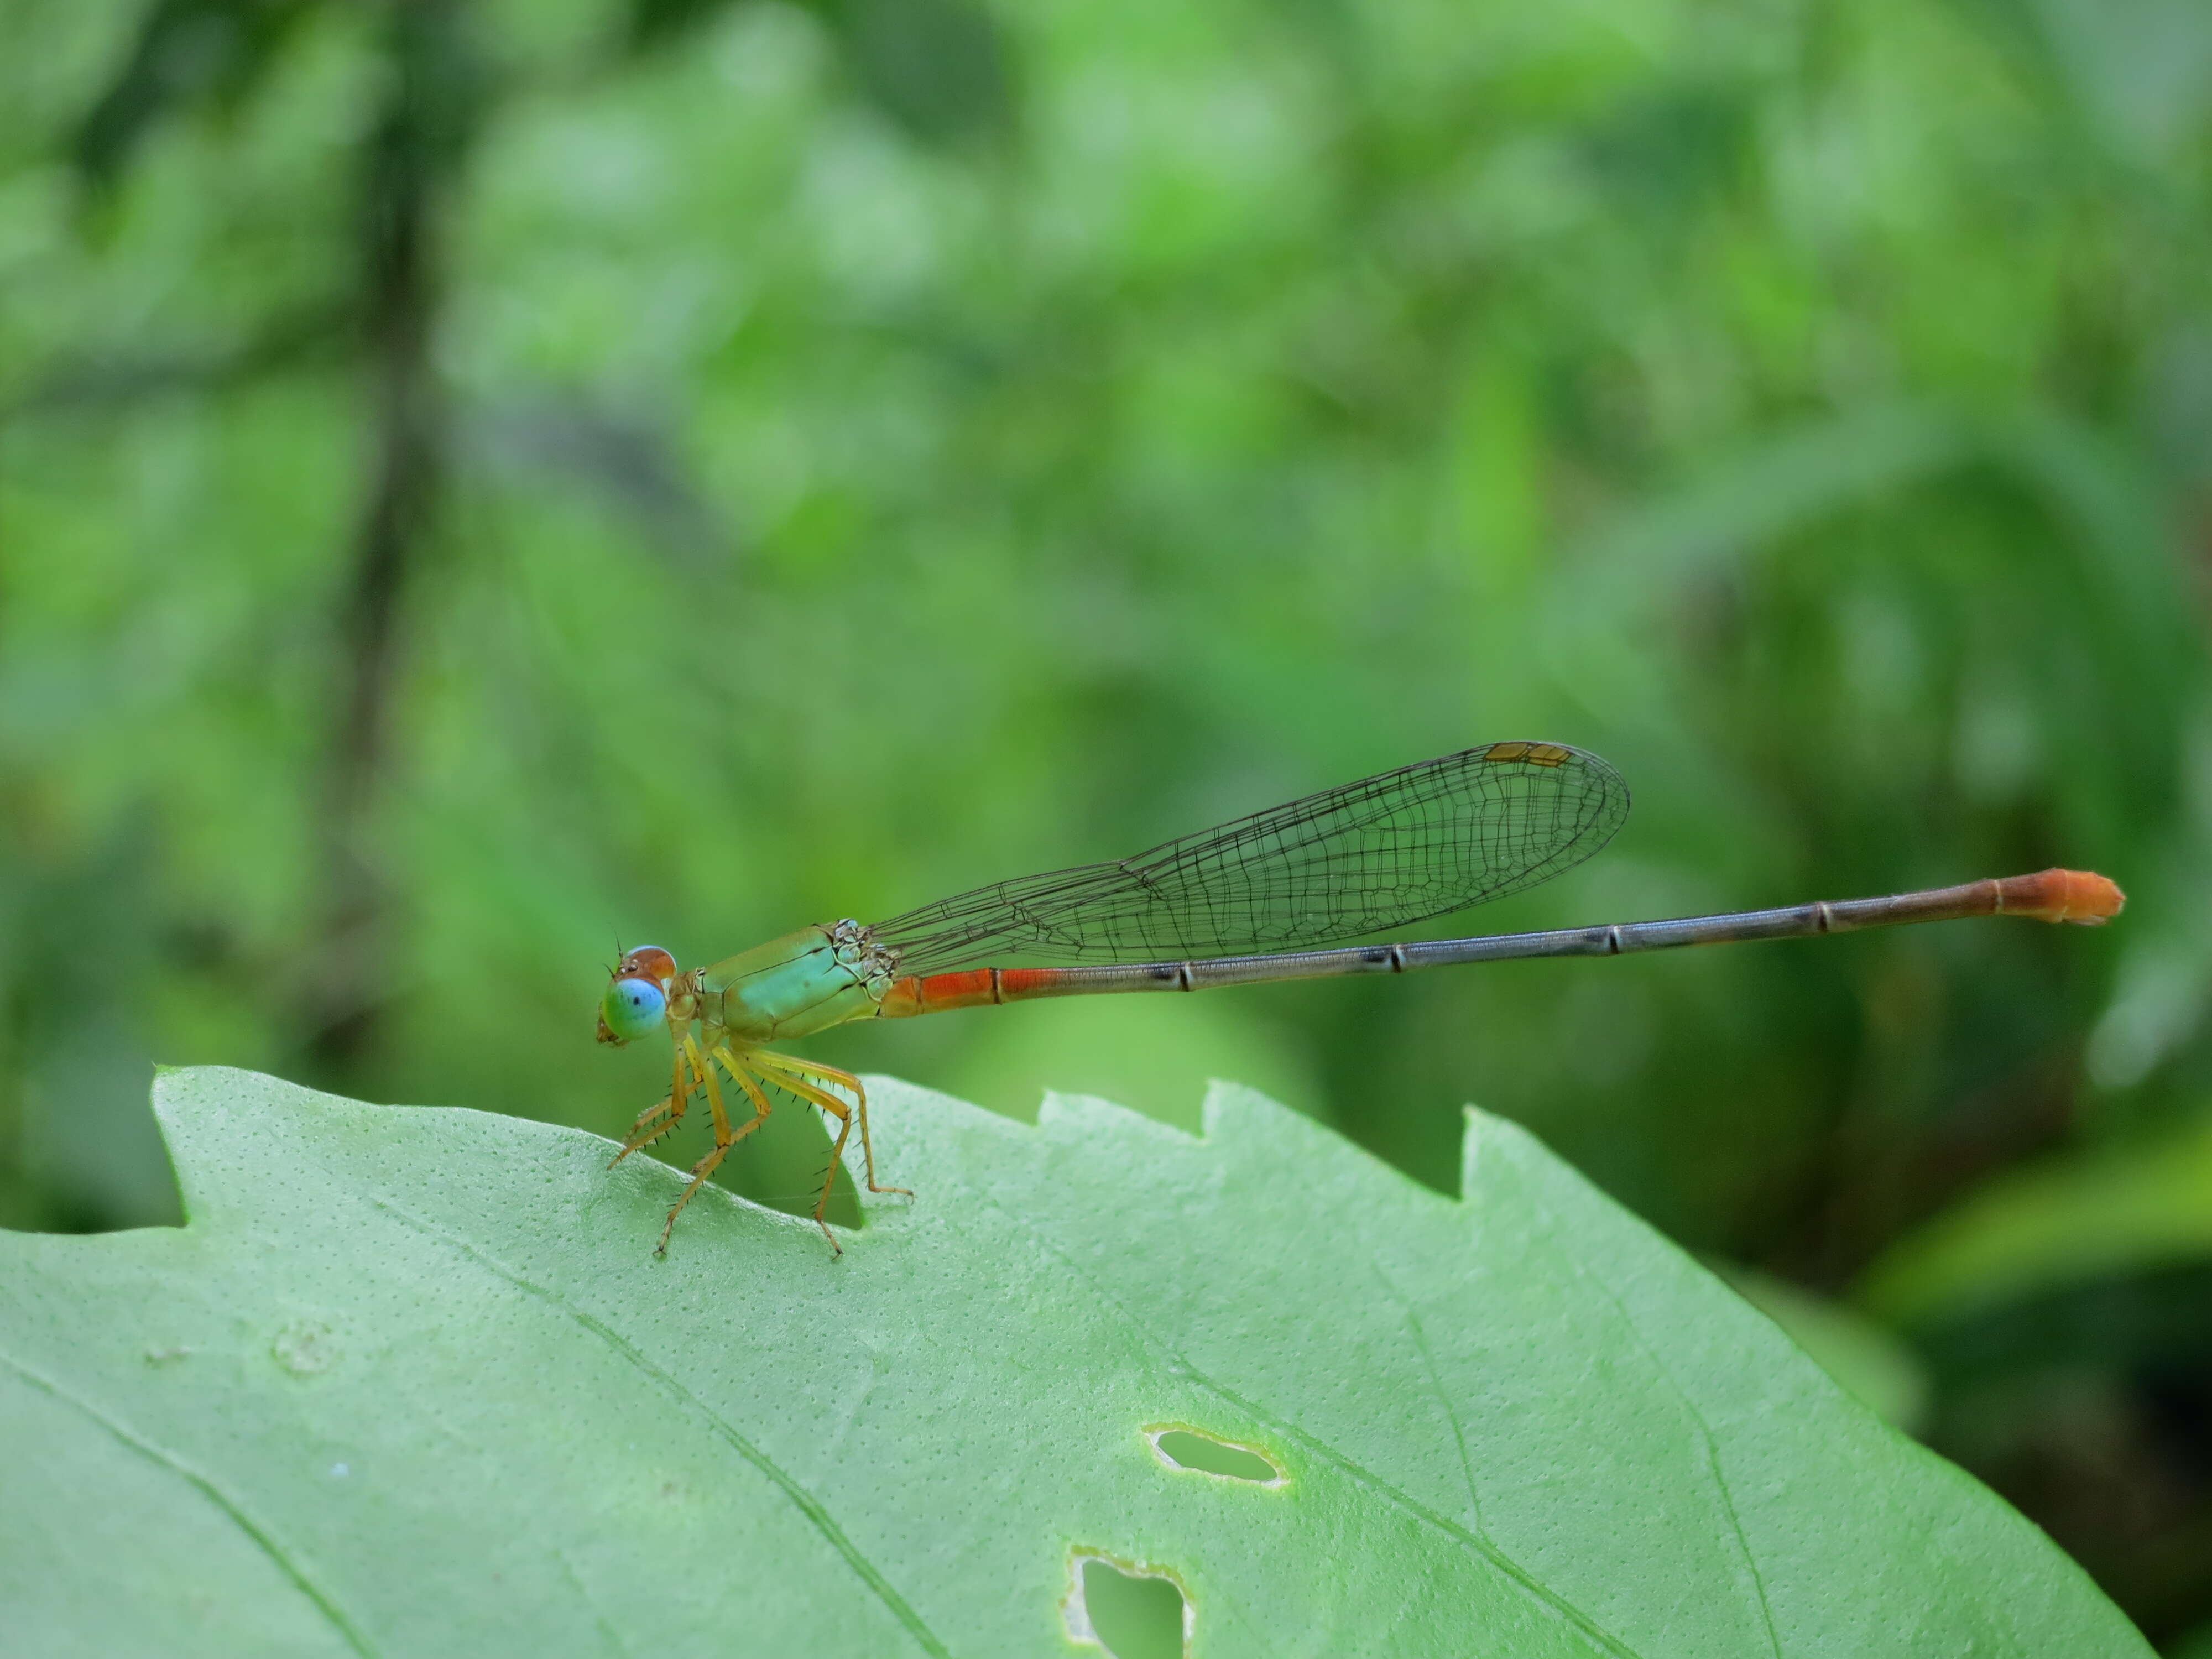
{"x": 1187, "y": 1449}
{"x": 1131, "y": 1612}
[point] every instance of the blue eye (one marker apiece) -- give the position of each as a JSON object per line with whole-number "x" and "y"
{"x": 632, "y": 1008}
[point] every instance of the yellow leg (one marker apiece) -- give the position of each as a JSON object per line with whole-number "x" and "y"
{"x": 724, "y": 1137}
{"x": 836, "y": 1108}
{"x": 656, "y": 1121}
{"x": 744, "y": 1077}
{"x": 847, "y": 1080}
{"x": 793, "y": 1075}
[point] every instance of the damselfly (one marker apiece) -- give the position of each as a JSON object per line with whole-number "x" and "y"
{"x": 1260, "y": 898}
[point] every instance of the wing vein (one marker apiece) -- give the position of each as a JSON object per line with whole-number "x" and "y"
{"x": 1384, "y": 852}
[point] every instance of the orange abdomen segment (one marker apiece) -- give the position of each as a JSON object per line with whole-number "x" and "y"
{"x": 975, "y": 987}
{"x": 2077, "y": 895}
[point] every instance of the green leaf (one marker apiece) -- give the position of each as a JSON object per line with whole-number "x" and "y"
{"x": 1871, "y": 1363}
{"x": 2069, "y": 1221}
{"x": 941, "y": 68}
{"x": 187, "y": 51}
{"x": 410, "y": 1381}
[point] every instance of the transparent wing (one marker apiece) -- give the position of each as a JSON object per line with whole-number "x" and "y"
{"x": 1385, "y": 852}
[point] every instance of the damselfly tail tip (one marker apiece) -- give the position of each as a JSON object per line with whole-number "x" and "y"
{"x": 2082, "y": 897}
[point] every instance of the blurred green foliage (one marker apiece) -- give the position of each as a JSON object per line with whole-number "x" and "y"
{"x": 479, "y": 478}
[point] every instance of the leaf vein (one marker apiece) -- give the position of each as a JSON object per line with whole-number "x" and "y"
{"x": 811, "y": 1507}
{"x": 1443, "y": 1395}
{"x": 1481, "y": 1545}
{"x": 262, "y": 1537}
{"x": 1705, "y": 1429}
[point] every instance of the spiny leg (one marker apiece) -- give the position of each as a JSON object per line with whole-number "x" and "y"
{"x": 793, "y": 1075}
{"x": 837, "y": 1109}
{"x": 723, "y": 1139}
{"x": 761, "y": 1106}
{"x": 750, "y": 1076}
{"x": 844, "y": 1079}
{"x": 670, "y": 1112}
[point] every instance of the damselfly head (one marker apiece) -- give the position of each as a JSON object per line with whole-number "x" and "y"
{"x": 636, "y": 997}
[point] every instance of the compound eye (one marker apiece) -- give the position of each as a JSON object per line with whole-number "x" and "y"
{"x": 649, "y": 961}
{"x": 632, "y": 1008}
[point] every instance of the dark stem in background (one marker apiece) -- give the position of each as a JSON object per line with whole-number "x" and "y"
{"x": 408, "y": 165}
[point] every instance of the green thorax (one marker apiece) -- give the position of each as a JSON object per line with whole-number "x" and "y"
{"x": 803, "y": 982}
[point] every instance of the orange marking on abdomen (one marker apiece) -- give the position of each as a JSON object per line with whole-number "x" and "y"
{"x": 973, "y": 987}
{"x": 2078, "y": 895}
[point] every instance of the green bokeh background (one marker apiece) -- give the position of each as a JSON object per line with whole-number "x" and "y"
{"x": 479, "y": 479}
